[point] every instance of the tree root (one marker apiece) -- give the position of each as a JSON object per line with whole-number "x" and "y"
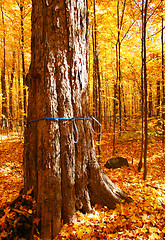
{"x": 103, "y": 191}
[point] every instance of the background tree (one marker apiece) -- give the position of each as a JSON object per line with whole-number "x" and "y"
{"x": 96, "y": 80}
{"x": 145, "y": 88}
{"x": 22, "y": 43}
{"x": 163, "y": 67}
{"x": 3, "y": 72}
{"x": 66, "y": 176}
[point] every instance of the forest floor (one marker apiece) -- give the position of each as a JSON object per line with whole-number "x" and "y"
{"x": 142, "y": 219}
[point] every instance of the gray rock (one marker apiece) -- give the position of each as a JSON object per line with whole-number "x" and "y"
{"x": 116, "y": 162}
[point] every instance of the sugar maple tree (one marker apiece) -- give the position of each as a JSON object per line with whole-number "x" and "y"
{"x": 64, "y": 173}
{"x": 108, "y": 31}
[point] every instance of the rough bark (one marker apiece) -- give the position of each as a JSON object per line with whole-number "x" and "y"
{"x": 65, "y": 176}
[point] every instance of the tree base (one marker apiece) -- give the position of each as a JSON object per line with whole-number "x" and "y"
{"x": 20, "y": 219}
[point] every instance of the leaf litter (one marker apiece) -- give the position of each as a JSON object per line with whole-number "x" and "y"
{"x": 142, "y": 219}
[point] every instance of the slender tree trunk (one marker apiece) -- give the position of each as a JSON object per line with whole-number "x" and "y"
{"x": 119, "y": 26}
{"x": 114, "y": 118}
{"x": 150, "y": 101}
{"x": 11, "y": 93}
{"x": 142, "y": 91}
{"x": 65, "y": 175}
{"x": 95, "y": 55}
{"x": 158, "y": 98}
{"x": 120, "y": 103}
{"x": 97, "y": 80}
{"x": 20, "y": 95}
{"x": 163, "y": 84}
{"x": 145, "y": 95}
{"x": 117, "y": 58}
{"x": 106, "y": 105}
{"x": 23, "y": 56}
{"x": 124, "y": 107}
{"x": 3, "y": 75}
{"x": 94, "y": 76}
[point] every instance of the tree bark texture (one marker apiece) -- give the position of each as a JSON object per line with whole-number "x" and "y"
{"x": 65, "y": 176}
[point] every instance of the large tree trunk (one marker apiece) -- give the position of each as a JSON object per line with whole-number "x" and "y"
{"x": 65, "y": 175}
